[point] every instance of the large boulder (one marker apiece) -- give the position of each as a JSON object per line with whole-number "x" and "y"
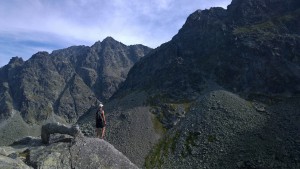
{"x": 9, "y": 163}
{"x": 53, "y": 128}
{"x": 97, "y": 153}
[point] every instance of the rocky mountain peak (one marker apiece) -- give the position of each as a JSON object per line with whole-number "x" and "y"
{"x": 110, "y": 42}
{"x": 40, "y": 54}
{"x": 203, "y": 19}
{"x": 16, "y": 61}
{"x": 107, "y": 43}
{"x": 109, "y": 39}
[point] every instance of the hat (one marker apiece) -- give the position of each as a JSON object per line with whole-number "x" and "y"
{"x": 100, "y": 105}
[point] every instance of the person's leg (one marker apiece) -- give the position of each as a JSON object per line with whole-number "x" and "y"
{"x": 103, "y": 132}
{"x": 98, "y": 132}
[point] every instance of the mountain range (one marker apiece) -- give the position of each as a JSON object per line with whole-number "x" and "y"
{"x": 223, "y": 93}
{"x": 67, "y": 81}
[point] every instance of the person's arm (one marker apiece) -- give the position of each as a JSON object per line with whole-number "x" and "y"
{"x": 96, "y": 118}
{"x": 103, "y": 116}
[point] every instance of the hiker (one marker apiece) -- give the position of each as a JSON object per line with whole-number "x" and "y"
{"x": 100, "y": 121}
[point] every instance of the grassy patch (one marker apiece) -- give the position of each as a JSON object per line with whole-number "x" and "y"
{"x": 156, "y": 99}
{"x": 158, "y": 127}
{"x": 265, "y": 26}
{"x": 211, "y": 138}
{"x": 263, "y": 98}
{"x": 290, "y": 17}
{"x": 155, "y": 158}
{"x": 270, "y": 27}
{"x": 187, "y": 106}
{"x": 25, "y": 154}
{"x": 189, "y": 142}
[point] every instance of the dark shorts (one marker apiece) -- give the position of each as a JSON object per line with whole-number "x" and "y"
{"x": 100, "y": 125}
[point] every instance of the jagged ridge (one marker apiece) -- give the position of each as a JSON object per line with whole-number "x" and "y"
{"x": 66, "y": 82}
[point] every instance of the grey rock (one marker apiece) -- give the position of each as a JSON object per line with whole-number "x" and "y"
{"x": 84, "y": 153}
{"x": 97, "y": 153}
{"x": 28, "y": 141}
{"x": 3, "y": 152}
{"x": 81, "y": 153}
{"x": 52, "y": 128}
{"x": 8, "y": 163}
{"x": 240, "y": 164}
{"x": 13, "y": 155}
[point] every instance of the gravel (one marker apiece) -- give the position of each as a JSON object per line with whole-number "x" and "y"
{"x": 223, "y": 130}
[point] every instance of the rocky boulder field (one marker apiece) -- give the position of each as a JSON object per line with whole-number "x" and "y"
{"x": 62, "y": 151}
{"x": 222, "y": 129}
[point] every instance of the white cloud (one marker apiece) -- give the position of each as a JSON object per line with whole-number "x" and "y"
{"x": 82, "y": 22}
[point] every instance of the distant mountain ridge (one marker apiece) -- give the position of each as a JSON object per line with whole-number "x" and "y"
{"x": 67, "y": 82}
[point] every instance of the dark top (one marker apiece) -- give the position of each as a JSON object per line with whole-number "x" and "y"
{"x": 99, "y": 119}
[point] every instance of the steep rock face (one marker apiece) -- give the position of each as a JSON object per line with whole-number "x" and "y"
{"x": 8, "y": 73}
{"x": 254, "y": 52}
{"x": 253, "y": 11}
{"x": 66, "y": 82}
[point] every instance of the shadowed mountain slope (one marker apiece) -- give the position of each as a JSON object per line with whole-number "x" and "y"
{"x": 250, "y": 48}
{"x": 251, "y": 52}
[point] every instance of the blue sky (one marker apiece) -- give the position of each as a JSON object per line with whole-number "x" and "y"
{"x": 29, "y": 26}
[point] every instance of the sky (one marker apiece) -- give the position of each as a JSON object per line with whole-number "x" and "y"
{"x": 29, "y": 26}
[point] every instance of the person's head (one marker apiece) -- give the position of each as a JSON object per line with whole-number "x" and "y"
{"x": 100, "y": 106}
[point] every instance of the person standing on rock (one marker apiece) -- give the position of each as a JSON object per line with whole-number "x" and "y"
{"x": 100, "y": 122}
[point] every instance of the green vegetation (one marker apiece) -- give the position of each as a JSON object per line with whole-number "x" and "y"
{"x": 26, "y": 155}
{"x": 253, "y": 29}
{"x": 158, "y": 98}
{"x": 189, "y": 142}
{"x": 158, "y": 127}
{"x": 211, "y": 138}
{"x": 290, "y": 17}
{"x": 266, "y": 99}
{"x": 155, "y": 159}
{"x": 187, "y": 106}
{"x": 268, "y": 28}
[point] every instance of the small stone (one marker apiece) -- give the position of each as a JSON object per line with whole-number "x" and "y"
{"x": 278, "y": 139}
{"x": 194, "y": 152}
{"x": 13, "y": 155}
{"x": 240, "y": 164}
{"x": 3, "y": 152}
